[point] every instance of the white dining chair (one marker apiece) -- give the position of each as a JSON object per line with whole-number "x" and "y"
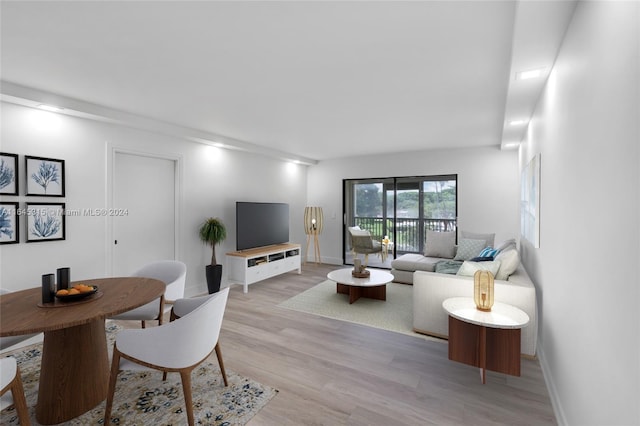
{"x": 173, "y": 273}
{"x": 12, "y": 392}
{"x": 179, "y": 346}
{"x": 8, "y": 341}
{"x": 182, "y": 307}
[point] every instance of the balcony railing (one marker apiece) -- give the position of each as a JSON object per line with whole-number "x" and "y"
{"x": 409, "y": 236}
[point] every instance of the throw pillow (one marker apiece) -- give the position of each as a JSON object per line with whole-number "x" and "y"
{"x": 469, "y": 248}
{"x": 489, "y": 252}
{"x": 469, "y": 268}
{"x": 509, "y": 261}
{"x": 481, "y": 259}
{"x": 440, "y": 244}
{"x": 489, "y": 238}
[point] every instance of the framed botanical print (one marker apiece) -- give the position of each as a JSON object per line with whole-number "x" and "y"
{"x": 45, "y": 222}
{"x": 8, "y": 174}
{"x": 9, "y": 223}
{"x": 45, "y": 176}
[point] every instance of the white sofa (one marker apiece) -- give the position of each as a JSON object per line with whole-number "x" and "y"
{"x": 430, "y": 289}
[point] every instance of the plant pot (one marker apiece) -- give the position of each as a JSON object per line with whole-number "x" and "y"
{"x": 214, "y": 277}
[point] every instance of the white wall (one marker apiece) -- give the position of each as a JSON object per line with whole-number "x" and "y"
{"x": 488, "y": 188}
{"x": 587, "y": 267}
{"x": 213, "y": 180}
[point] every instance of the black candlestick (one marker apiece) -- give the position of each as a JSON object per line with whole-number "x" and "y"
{"x": 48, "y": 288}
{"x": 63, "y": 277}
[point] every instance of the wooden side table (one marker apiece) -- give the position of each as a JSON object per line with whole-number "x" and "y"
{"x": 488, "y": 340}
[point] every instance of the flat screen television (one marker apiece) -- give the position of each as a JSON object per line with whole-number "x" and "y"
{"x": 261, "y": 224}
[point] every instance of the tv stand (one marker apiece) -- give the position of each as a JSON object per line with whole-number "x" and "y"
{"x": 257, "y": 264}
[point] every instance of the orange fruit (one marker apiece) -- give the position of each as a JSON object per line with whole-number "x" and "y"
{"x": 74, "y": 291}
{"x": 62, "y": 292}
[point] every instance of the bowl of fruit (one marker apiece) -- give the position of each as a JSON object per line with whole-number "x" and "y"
{"x": 78, "y": 291}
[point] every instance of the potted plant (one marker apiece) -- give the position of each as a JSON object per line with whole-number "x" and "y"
{"x": 213, "y": 232}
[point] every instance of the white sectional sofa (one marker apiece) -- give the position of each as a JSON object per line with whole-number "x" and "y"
{"x": 446, "y": 269}
{"x": 430, "y": 289}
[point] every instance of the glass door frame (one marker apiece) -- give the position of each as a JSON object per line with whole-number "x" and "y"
{"x": 394, "y": 184}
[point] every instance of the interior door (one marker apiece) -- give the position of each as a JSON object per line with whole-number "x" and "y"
{"x": 144, "y": 206}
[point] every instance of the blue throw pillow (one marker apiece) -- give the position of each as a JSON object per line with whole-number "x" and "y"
{"x": 488, "y": 252}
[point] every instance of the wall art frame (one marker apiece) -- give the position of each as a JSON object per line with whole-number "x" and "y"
{"x": 45, "y": 222}
{"x": 45, "y": 177}
{"x": 9, "y": 223}
{"x": 8, "y": 173}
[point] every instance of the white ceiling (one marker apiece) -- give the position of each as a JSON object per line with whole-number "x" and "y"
{"x": 313, "y": 80}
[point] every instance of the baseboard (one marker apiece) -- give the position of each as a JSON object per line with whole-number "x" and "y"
{"x": 551, "y": 388}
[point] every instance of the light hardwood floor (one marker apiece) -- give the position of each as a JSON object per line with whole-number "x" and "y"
{"x": 330, "y": 372}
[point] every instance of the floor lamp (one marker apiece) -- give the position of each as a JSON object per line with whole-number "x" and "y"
{"x": 313, "y": 221}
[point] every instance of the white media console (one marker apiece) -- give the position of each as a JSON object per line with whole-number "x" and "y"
{"x": 257, "y": 264}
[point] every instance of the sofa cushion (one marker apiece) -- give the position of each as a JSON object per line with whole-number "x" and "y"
{"x": 489, "y": 238}
{"x": 469, "y": 248}
{"x": 509, "y": 261}
{"x": 468, "y": 268}
{"x": 440, "y": 244}
{"x": 415, "y": 262}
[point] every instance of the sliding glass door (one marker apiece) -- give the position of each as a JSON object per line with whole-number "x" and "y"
{"x": 401, "y": 209}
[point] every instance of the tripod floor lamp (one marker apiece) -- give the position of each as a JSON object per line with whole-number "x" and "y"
{"x": 313, "y": 221}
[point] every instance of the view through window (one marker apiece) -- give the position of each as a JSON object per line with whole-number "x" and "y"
{"x": 401, "y": 209}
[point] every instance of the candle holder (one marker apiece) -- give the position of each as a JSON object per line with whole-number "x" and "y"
{"x": 483, "y": 290}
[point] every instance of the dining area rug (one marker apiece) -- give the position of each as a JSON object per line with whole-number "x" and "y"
{"x": 143, "y": 398}
{"x": 394, "y": 314}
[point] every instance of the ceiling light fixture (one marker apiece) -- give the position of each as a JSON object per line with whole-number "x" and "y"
{"x": 509, "y": 145}
{"x": 526, "y": 75}
{"x": 516, "y": 122}
{"x": 51, "y": 108}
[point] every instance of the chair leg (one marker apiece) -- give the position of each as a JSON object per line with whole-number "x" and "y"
{"x": 19, "y": 400}
{"x": 161, "y": 313}
{"x": 221, "y": 364}
{"x": 185, "y": 375}
{"x": 113, "y": 375}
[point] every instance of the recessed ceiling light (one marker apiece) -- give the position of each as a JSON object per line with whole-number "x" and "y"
{"x": 51, "y": 108}
{"x": 512, "y": 144}
{"x": 525, "y": 75}
{"x": 516, "y": 122}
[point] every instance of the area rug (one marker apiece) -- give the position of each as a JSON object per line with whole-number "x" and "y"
{"x": 142, "y": 398}
{"x": 394, "y": 314}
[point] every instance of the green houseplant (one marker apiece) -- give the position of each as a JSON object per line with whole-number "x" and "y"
{"x": 212, "y": 232}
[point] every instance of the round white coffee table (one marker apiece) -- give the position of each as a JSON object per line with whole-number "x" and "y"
{"x": 488, "y": 340}
{"x": 372, "y": 287}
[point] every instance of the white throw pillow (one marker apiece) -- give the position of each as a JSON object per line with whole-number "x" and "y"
{"x": 469, "y": 268}
{"x": 468, "y": 249}
{"x": 509, "y": 261}
{"x": 507, "y": 244}
{"x": 440, "y": 244}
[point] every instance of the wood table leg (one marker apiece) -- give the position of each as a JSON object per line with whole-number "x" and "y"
{"x": 482, "y": 354}
{"x": 356, "y": 292}
{"x": 74, "y": 374}
{"x": 485, "y": 347}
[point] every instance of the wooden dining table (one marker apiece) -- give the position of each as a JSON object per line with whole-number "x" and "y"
{"x": 74, "y": 371}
